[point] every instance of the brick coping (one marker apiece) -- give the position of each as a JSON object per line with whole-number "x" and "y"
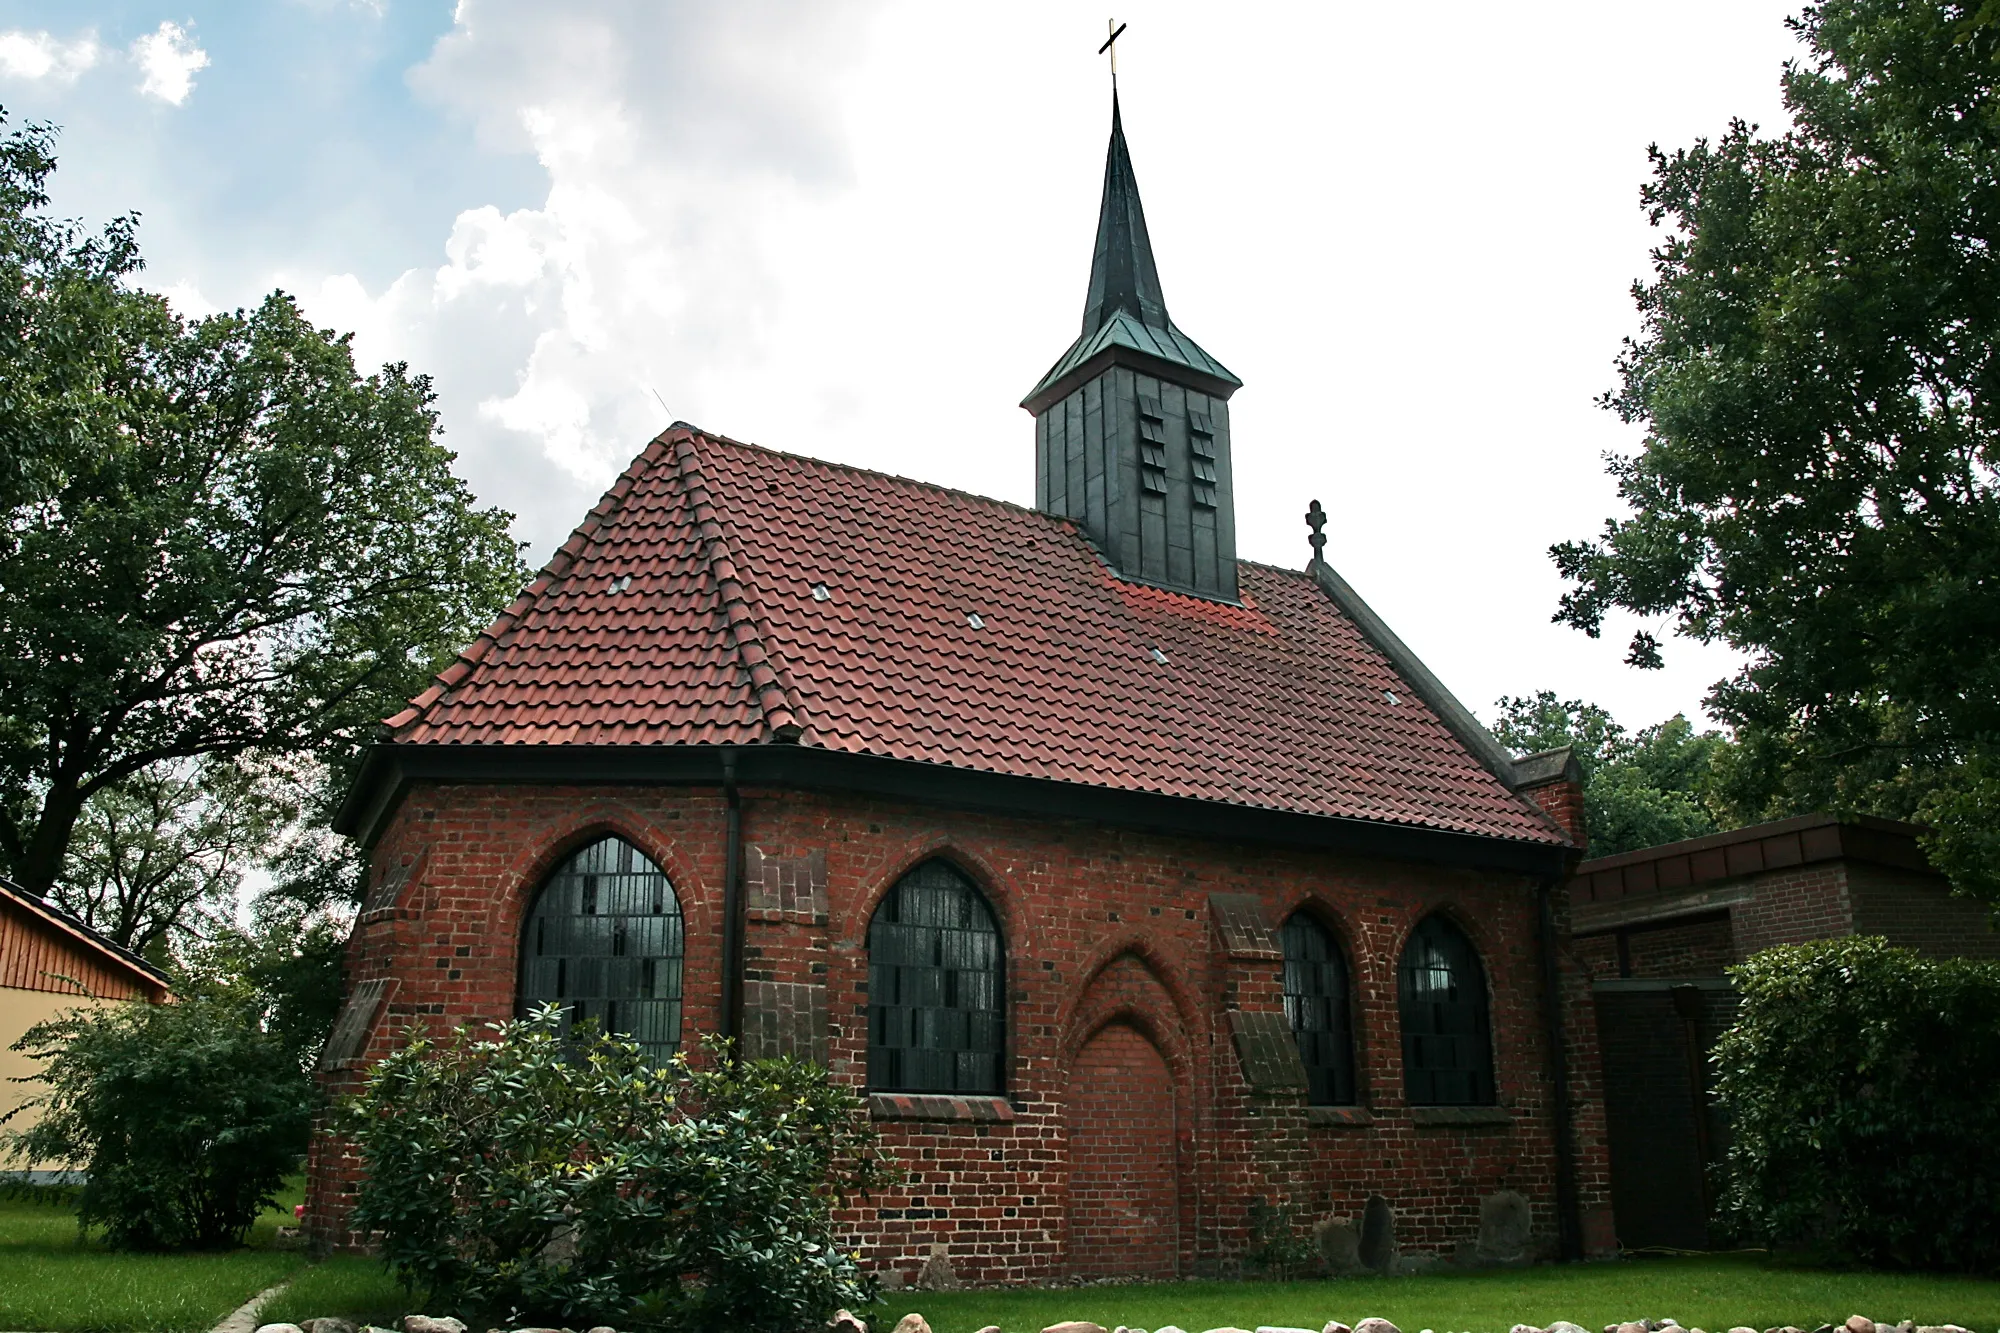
{"x": 938, "y": 1106}
{"x": 1460, "y": 1115}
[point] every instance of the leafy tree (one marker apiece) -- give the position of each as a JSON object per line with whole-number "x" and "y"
{"x": 220, "y": 540}
{"x": 283, "y": 968}
{"x": 159, "y": 858}
{"x": 187, "y": 1116}
{"x": 1638, "y": 791}
{"x": 1819, "y": 377}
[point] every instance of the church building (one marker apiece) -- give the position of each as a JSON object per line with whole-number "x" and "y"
{"x": 1153, "y": 898}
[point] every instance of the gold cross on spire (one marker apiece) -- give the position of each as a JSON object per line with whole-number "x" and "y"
{"x": 1110, "y": 47}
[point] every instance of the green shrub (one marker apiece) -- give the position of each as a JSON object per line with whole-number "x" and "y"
{"x": 529, "y": 1177}
{"x": 1860, "y": 1083}
{"x": 187, "y": 1116}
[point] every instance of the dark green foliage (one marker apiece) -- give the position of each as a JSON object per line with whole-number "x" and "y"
{"x": 219, "y": 539}
{"x": 1859, "y": 1083}
{"x": 283, "y": 968}
{"x": 1659, "y": 786}
{"x": 529, "y": 1178}
{"x": 187, "y": 1116}
{"x": 1819, "y": 375}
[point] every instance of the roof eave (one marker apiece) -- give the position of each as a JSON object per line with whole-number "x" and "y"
{"x": 149, "y": 976}
{"x": 1058, "y": 384}
{"x": 1457, "y": 718}
{"x": 393, "y": 767}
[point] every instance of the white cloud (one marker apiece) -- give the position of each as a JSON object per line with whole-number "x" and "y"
{"x": 682, "y": 146}
{"x": 39, "y": 55}
{"x": 187, "y": 300}
{"x": 168, "y": 57}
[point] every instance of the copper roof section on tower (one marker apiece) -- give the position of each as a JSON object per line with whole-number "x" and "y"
{"x": 1125, "y": 306}
{"x": 683, "y": 612}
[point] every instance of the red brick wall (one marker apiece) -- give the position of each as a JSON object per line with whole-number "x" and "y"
{"x": 1101, "y": 925}
{"x": 1124, "y": 1204}
{"x": 1919, "y": 912}
{"x": 1692, "y": 949}
{"x": 1793, "y": 906}
{"x": 1562, "y": 801}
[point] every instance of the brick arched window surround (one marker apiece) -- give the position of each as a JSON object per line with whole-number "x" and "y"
{"x": 604, "y": 939}
{"x": 937, "y": 1016}
{"x": 1317, "y": 1005}
{"x": 1447, "y": 1035}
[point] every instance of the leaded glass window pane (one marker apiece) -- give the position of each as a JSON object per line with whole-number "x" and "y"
{"x": 937, "y": 1019}
{"x": 1447, "y": 1041}
{"x": 1316, "y": 1003}
{"x": 604, "y": 941}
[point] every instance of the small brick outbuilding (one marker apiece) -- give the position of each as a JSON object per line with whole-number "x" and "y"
{"x": 1657, "y": 928}
{"x": 1135, "y": 884}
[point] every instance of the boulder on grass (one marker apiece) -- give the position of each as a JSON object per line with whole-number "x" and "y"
{"x": 423, "y": 1323}
{"x": 846, "y": 1321}
{"x": 329, "y": 1325}
{"x": 1373, "y": 1325}
{"x": 279, "y": 1328}
{"x": 913, "y": 1323}
{"x": 1076, "y": 1326}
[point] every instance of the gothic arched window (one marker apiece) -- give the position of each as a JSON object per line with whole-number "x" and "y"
{"x": 937, "y": 1018}
{"x": 604, "y": 941}
{"x": 1447, "y": 1043}
{"x": 1316, "y": 1004}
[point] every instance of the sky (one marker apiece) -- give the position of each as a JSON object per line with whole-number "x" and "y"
{"x": 862, "y": 230}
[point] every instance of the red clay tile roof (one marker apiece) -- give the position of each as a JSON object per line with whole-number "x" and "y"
{"x": 683, "y": 612}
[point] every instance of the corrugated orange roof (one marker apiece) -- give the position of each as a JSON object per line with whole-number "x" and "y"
{"x": 683, "y": 612}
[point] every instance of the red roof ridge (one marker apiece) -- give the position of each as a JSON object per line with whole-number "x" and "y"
{"x": 775, "y": 697}
{"x": 1026, "y": 511}
{"x": 559, "y": 564}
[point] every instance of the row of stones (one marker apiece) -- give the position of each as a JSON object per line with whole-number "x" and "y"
{"x": 846, "y": 1322}
{"x": 915, "y": 1323}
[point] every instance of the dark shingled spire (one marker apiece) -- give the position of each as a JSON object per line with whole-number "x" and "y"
{"x": 1125, "y": 310}
{"x": 1132, "y": 422}
{"x": 1122, "y": 273}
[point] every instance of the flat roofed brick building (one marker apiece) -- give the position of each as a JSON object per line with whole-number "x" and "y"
{"x": 1657, "y": 928}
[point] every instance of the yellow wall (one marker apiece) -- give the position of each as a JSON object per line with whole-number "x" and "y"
{"x": 19, "y": 1011}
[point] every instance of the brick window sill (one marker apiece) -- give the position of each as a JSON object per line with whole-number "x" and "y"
{"x": 1461, "y": 1115}
{"x": 939, "y": 1106}
{"x": 1340, "y": 1117}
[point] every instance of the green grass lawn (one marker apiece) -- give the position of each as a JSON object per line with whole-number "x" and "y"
{"x": 1710, "y": 1293}
{"x": 50, "y": 1280}
{"x": 1707, "y": 1293}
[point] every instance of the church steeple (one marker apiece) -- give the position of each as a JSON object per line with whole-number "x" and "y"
{"x": 1132, "y": 422}
{"x": 1122, "y": 273}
